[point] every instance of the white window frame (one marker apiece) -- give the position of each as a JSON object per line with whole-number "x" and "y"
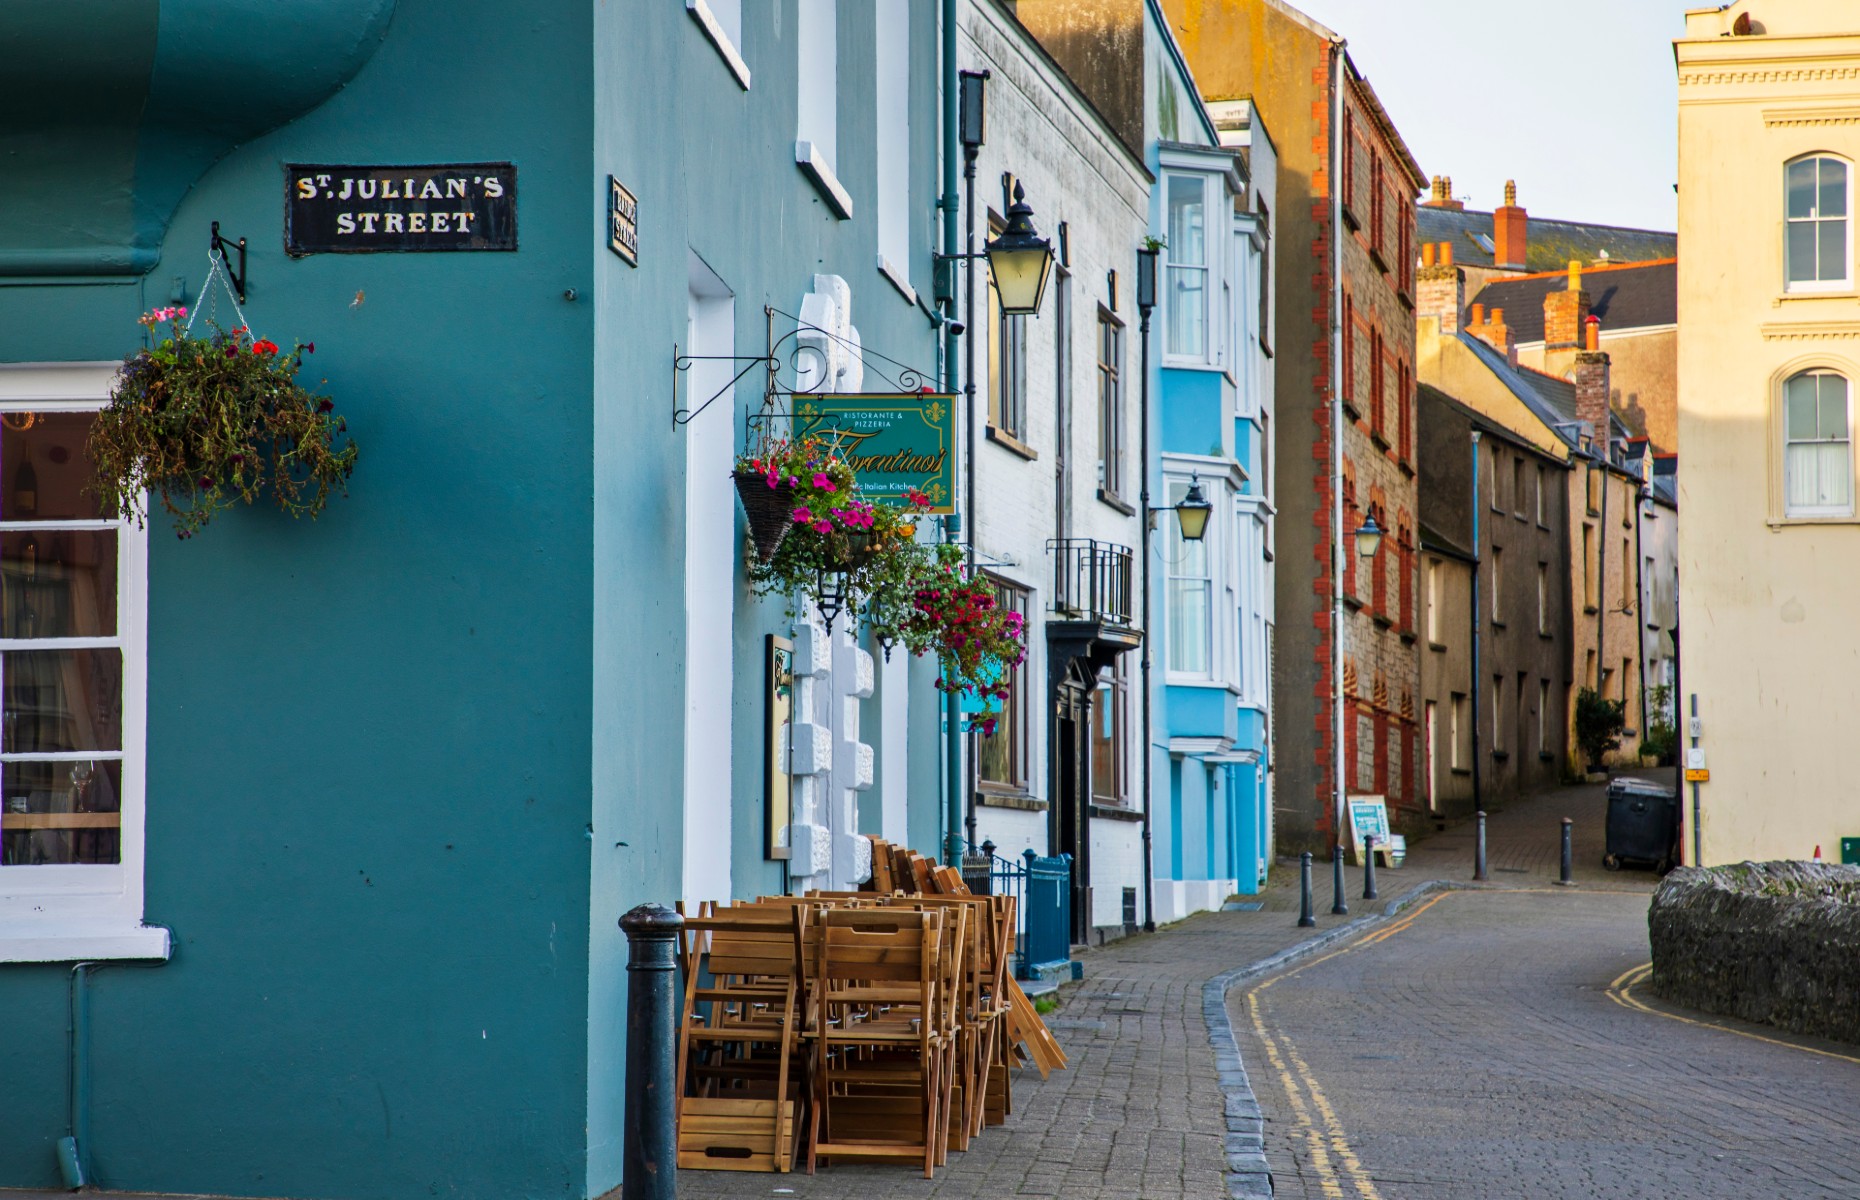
{"x": 1212, "y": 249}
{"x": 1813, "y": 511}
{"x": 88, "y": 911}
{"x": 1846, "y": 282}
{"x": 722, "y": 23}
{"x": 892, "y": 56}
{"x": 1219, "y": 588}
{"x": 817, "y": 119}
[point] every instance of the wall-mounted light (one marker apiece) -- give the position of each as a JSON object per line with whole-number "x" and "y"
{"x": 1020, "y": 260}
{"x": 1369, "y": 537}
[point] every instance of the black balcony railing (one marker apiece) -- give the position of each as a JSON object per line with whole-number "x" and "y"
{"x": 1092, "y": 580}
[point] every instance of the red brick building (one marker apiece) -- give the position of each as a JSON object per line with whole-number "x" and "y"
{"x": 1346, "y": 288}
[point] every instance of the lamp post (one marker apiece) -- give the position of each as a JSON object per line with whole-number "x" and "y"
{"x": 1368, "y": 540}
{"x": 1146, "y": 301}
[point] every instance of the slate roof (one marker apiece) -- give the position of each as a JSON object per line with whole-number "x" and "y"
{"x": 1630, "y": 296}
{"x": 1551, "y": 400}
{"x": 1548, "y": 245}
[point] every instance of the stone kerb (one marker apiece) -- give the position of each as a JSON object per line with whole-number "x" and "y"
{"x": 1774, "y": 942}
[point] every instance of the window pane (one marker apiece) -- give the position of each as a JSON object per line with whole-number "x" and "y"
{"x": 1801, "y": 251}
{"x": 1803, "y": 408}
{"x": 1833, "y": 194}
{"x": 1831, "y": 257}
{"x": 62, "y": 700}
{"x": 1187, "y": 234}
{"x": 45, "y": 470}
{"x": 1188, "y": 626}
{"x": 1819, "y": 477}
{"x": 1802, "y": 188}
{"x": 58, "y": 583}
{"x": 1833, "y": 407}
{"x": 60, "y": 812}
{"x": 1187, "y": 310}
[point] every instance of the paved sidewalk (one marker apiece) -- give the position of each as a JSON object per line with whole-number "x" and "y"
{"x": 1140, "y": 1114}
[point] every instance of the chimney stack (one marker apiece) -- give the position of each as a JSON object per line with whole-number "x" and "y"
{"x": 1492, "y": 330}
{"x": 1440, "y": 287}
{"x": 1442, "y": 195}
{"x": 1564, "y": 313}
{"x": 1592, "y": 384}
{"x": 1509, "y": 226}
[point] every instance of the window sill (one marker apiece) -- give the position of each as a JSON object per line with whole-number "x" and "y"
{"x": 1545, "y": 756}
{"x": 1350, "y": 410}
{"x": 1546, "y": 635}
{"x": 1501, "y": 756}
{"x": 815, "y": 166}
{"x": 1460, "y": 770}
{"x": 1111, "y": 499}
{"x": 1776, "y": 523}
{"x": 1384, "y": 621}
{"x": 1375, "y": 256}
{"x": 54, "y": 941}
{"x": 1407, "y": 468}
{"x": 1015, "y": 800}
{"x": 897, "y": 279}
{"x": 1010, "y": 443}
{"x": 1349, "y": 218}
{"x": 1382, "y": 443}
{"x": 1352, "y": 603}
{"x": 1114, "y": 812}
{"x": 1409, "y": 637}
{"x": 732, "y": 57}
{"x": 1406, "y": 298}
{"x": 1497, "y": 624}
{"x": 1437, "y": 647}
{"x": 1589, "y": 610}
{"x": 1841, "y": 291}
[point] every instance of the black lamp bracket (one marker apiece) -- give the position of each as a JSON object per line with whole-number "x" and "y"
{"x": 220, "y": 246}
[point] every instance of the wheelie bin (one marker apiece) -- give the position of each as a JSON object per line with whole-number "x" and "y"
{"x": 1643, "y": 825}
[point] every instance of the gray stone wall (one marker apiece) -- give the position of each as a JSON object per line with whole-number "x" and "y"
{"x": 1773, "y": 942}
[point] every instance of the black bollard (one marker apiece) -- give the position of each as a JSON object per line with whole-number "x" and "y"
{"x": 1337, "y": 906}
{"x": 1569, "y": 868}
{"x": 1479, "y": 850}
{"x": 1369, "y": 867}
{"x": 650, "y": 1159}
{"x": 1305, "y": 917}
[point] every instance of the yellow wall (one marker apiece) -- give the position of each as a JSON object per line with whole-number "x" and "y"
{"x": 1769, "y": 640}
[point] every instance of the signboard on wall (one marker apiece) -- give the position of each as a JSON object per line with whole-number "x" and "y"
{"x": 622, "y": 222}
{"x": 330, "y": 209}
{"x": 1368, "y": 815}
{"x": 896, "y": 442}
{"x": 778, "y": 786}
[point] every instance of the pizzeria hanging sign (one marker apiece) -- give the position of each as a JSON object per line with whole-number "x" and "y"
{"x": 896, "y": 442}
{"x": 350, "y": 210}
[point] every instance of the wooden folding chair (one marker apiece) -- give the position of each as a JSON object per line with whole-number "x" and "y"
{"x": 736, "y": 1079}
{"x": 879, "y": 1049}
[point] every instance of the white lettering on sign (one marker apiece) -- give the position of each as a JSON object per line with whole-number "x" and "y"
{"x": 463, "y": 206}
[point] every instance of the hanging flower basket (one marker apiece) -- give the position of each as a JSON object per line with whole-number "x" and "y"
{"x": 205, "y": 423}
{"x": 769, "y": 508}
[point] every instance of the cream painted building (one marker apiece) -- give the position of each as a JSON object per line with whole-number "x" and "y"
{"x": 1769, "y": 357}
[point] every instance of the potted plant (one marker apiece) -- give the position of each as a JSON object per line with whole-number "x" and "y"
{"x": 207, "y": 422}
{"x": 783, "y": 478}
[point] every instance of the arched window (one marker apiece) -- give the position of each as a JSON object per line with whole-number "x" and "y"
{"x": 1820, "y": 201}
{"x": 1818, "y": 460}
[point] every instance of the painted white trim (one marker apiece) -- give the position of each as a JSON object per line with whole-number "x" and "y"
{"x": 69, "y": 912}
{"x": 897, "y": 279}
{"x": 52, "y": 940}
{"x": 815, "y": 166}
{"x": 1200, "y": 747}
{"x": 713, "y": 29}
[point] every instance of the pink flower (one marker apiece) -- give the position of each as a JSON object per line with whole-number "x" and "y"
{"x": 802, "y": 516}
{"x": 823, "y": 526}
{"x": 823, "y": 483}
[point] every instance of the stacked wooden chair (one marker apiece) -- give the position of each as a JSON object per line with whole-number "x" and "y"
{"x": 852, "y": 1026}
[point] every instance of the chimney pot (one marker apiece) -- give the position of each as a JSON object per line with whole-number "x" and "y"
{"x": 1478, "y": 314}
{"x": 1446, "y": 254}
{"x": 1427, "y": 255}
{"x": 1498, "y": 316}
{"x": 1575, "y": 275}
{"x": 1511, "y": 193}
{"x": 1592, "y": 334}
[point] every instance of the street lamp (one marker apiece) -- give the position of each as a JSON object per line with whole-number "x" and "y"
{"x": 1368, "y": 538}
{"x": 1020, "y": 260}
{"x": 1193, "y": 512}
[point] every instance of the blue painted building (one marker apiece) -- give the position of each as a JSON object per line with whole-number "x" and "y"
{"x": 381, "y": 785}
{"x": 1212, "y": 212}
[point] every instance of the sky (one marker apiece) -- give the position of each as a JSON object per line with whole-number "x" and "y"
{"x": 1576, "y": 100}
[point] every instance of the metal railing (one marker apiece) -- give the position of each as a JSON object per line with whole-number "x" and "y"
{"x": 1092, "y": 580}
{"x": 988, "y": 874}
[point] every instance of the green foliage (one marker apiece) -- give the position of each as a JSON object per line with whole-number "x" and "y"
{"x": 1599, "y": 724}
{"x": 1661, "y": 741}
{"x": 1044, "y": 1004}
{"x": 205, "y": 423}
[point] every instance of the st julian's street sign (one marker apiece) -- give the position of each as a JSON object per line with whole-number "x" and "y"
{"x": 347, "y": 210}
{"x": 896, "y": 442}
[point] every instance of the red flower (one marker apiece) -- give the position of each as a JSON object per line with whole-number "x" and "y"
{"x": 265, "y": 347}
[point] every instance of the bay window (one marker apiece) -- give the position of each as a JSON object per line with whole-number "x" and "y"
{"x": 1186, "y": 318}
{"x": 1190, "y": 594}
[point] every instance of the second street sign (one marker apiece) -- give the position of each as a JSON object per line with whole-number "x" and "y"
{"x": 896, "y": 442}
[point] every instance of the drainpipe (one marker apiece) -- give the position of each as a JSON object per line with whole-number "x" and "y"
{"x": 952, "y": 526}
{"x": 1601, "y": 566}
{"x": 1640, "y": 608}
{"x": 1478, "y": 669}
{"x": 74, "y": 1146}
{"x": 1337, "y": 334}
{"x": 1149, "y": 632}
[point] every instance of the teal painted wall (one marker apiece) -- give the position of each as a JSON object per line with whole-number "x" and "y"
{"x": 369, "y": 762}
{"x": 1199, "y": 712}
